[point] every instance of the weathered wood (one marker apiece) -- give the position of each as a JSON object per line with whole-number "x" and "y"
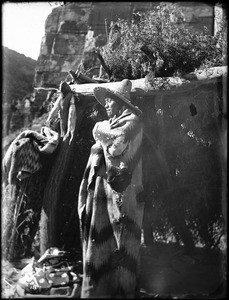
{"x": 142, "y": 87}
{"x": 80, "y": 78}
{"x": 105, "y": 67}
{"x": 207, "y": 73}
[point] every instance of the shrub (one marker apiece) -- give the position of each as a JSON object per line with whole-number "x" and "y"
{"x": 158, "y": 42}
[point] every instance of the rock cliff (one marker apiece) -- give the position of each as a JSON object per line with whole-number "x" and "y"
{"x": 73, "y": 30}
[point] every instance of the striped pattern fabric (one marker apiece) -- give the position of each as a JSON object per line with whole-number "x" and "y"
{"x": 111, "y": 210}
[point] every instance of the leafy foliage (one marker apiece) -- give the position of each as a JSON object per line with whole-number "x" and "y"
{"x": 159, "y": 42}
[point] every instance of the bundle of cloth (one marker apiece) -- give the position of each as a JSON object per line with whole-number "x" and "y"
{"x": 56, "y": 274}
{"x": 24, "y": 156}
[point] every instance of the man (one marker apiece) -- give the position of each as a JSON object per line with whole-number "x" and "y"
{"x": 110, "y": 209}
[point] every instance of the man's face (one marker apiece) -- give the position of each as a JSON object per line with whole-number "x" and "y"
{"x": 112, "y": 107}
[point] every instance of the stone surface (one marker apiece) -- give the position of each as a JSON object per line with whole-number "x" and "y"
{"x": 74, "y": 30}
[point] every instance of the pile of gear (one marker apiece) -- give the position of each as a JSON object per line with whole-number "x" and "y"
{"x": 55, "y": 274}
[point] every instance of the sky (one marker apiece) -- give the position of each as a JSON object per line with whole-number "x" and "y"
{"x": 23, "y": 25}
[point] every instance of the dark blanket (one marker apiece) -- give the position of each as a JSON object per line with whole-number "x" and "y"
{"x": 111, "y": 211}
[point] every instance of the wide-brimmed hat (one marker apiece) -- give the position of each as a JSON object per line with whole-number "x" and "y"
{"x": 122, "y": 93}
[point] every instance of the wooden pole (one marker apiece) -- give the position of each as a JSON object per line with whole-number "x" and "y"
{"x": 142, "y": 87}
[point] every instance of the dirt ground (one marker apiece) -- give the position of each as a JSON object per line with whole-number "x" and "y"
{"x": 166, "y": 273}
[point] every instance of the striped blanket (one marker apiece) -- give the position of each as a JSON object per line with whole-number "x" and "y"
{"x": 23, "y": 157}
{"x": 110, "y": 209}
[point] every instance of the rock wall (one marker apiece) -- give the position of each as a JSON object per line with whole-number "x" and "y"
{"x": 72, "y": 30}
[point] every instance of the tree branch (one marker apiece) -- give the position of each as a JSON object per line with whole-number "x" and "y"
{"x": 148, "y": 52}
{"x": 107, "y": 70}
